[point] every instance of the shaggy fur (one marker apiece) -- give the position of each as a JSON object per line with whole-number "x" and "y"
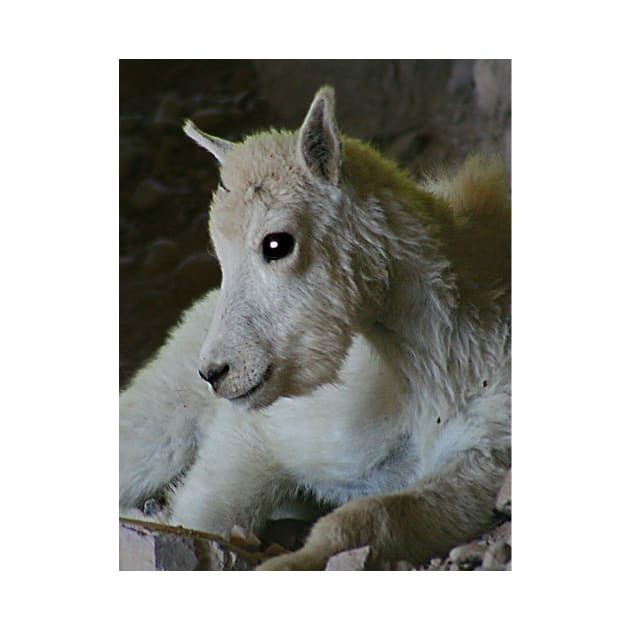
{"x": 370, "y": 367}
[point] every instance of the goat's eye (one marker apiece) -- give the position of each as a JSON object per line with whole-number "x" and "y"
{"x": 277, "y": 245}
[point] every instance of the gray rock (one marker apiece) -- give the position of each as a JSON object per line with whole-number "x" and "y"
{"x": 198, "y": 271}
{"x": 462, "y": 76}
{"x": 169, "y": 111}
{"x": 353, "y": 560}
{"x": 166, "y": 155}
{"x": 467, "y": 556}
{"x": 501, "y": 533}
{"x": 163, "y": 255}
{"x": 497, "y": 557}
{"x": 435, "y": 563}
{"x": 136, "y": 551}
{"x": 374, "y": 97}
{"x": 128, "y": 155}
{"x": 493, "y": 87}
{"x": 149, "y": 194}
{"x": 209, "y": 118}
{"x": 407, "y": 146}
{"x": 153, "y": 547}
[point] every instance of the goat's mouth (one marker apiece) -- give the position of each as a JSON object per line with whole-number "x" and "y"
{"x": 246, "y": 396}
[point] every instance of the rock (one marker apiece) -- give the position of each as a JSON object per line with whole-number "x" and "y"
{"x": 163, "y": 255}
{"x": 166, "y": 156}
{"x": 209, "y": 118}
{"x": 353, "y": 560}
{"x": 127, "y": 229}
{"x": 408, "y": 145}
{"x": 129, "y": 124}
{"x": 136, "y": 551}
{"x": 197, "y": 273}
{"x": 148, "y": 194}
{"x": 461, "y": 80}
{"x": 497, "y": 557}
{"x": 504, "y": 498}
{"x": 126, "y": 262}
{"x": 169, "y": 111}
{"x": 156, "y": 547}
{"x": 492, "y": 87}
{"x": 126, "y": 158}
{"x": 467, "y": 556}
{"x": 374, "y": 97}
{"x": 502, "y": 552}
{"x": 501, "y": 533}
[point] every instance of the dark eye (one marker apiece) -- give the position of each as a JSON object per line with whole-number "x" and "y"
{"x": 277, "y": 245}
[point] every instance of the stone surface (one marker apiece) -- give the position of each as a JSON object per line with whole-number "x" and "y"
{"x": 148, "y": 194}
{"x": 492, "y": 551}
{"x": 500, "y": 533}
{"x": 162, "y": 254}
{"x": 209, "y": 118}
{"x": 373, "y": 97}
{"x": 136, "y": 551}
{"x": 352, "y": 560}
{"x": 497, "y": 557}
{"x": 169, "y": 111}
{"x": 493, "y": 86}
{"x": 156, "y": 547}
{"x": 468, "y": 556}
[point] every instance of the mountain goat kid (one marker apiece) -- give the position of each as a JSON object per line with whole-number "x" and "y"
{"x": 358, "y": 351}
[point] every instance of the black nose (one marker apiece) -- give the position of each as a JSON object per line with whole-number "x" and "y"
{"x": 215, "y": 374}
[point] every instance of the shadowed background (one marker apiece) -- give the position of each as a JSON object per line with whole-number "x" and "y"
{"x": 424, "y": 114}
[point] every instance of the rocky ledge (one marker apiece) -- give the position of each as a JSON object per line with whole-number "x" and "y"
{"x": 146, "y": 546}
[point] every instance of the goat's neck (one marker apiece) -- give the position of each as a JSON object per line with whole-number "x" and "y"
{"x": 412, "y": 326}
{"x": 413, "y": 330}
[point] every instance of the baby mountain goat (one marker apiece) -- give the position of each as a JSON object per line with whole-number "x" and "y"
{"x": 358, "y": 352}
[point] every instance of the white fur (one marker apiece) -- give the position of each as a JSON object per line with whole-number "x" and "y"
{"x": 362, "y": 335}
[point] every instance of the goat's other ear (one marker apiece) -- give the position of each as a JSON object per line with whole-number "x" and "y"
{"x": 319, "y": 141}
{"x": 218, "y": 147}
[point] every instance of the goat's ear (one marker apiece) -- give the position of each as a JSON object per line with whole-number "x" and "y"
{"x": 218, "y": 147}
{"x": 319, "y": 141}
